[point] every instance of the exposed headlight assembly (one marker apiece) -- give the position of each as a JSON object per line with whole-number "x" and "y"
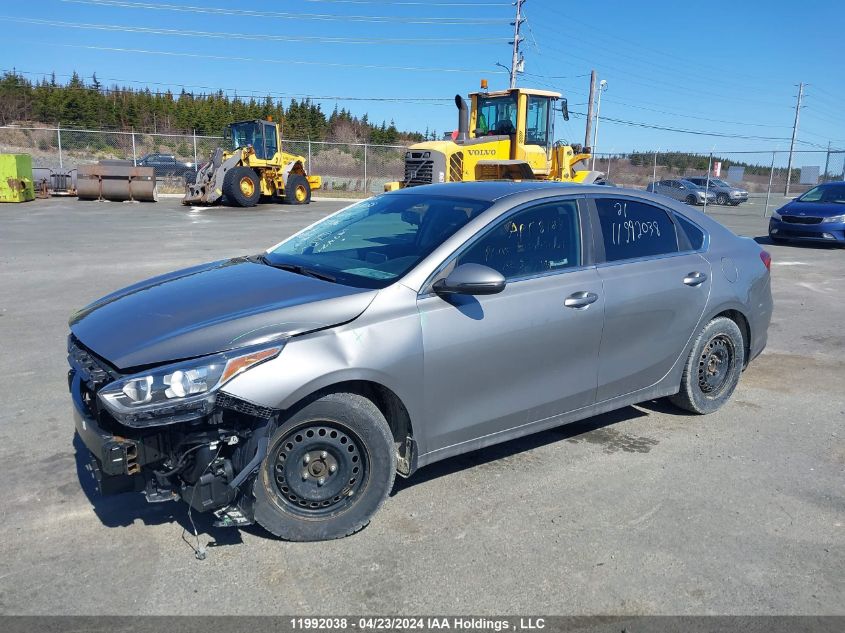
{"x": 776, "y": 215}
{"x": 836, "y": 218}
{"x": 181, "y": 391}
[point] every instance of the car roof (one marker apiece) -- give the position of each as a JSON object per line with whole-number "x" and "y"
{"x": 491, "y": 190}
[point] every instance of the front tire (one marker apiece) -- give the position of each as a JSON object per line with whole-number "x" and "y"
{"x": 297, "y": 190}
{"x": 327, "y": 471}
{"x": 690, "y": 200}
{"x": 713, "y": 368}
{"x": 722, "y": 199}
{"x": 242, "y": 187}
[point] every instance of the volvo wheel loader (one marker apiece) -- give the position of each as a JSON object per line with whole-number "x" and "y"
{"x": 508, "y": 134}
{"x": 254, "y": 166}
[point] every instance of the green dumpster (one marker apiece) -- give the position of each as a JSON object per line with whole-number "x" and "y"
{"x": 16, "y": 178}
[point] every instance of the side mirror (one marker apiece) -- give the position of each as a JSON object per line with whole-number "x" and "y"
{"x": 470, "y": 279}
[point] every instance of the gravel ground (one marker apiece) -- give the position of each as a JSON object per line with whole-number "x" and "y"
{"x": 640, "y": 511}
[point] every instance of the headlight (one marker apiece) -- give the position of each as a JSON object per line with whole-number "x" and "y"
{"x": 836, "y": 218}
{"x": 178, "y": 392}
{"x": 775, "y": 215}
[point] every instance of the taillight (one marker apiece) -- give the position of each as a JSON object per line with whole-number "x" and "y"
{"x": 767, "y": 259}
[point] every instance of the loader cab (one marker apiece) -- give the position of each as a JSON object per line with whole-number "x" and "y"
{"x": 525, "y": 116}
{"x": 263, "y": 136}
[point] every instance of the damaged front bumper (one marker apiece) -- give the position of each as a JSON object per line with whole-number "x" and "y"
{"x": 209, "y": 463}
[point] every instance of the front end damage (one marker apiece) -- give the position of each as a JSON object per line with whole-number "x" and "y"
{"x": 208, "y": 461}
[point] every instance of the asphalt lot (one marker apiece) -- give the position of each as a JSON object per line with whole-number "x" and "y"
{"x": 641, "y": 511}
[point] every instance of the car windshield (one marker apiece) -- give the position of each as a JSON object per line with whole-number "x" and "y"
{"x": 719, "y": 183}
{"x": 825, "y": 193}
{"x": 375, "y": 242}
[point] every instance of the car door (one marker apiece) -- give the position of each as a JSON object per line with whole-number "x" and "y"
{"x": 655, "y": 287}
{"x": 664, "y": 187}
{"x": 496, "y": 362}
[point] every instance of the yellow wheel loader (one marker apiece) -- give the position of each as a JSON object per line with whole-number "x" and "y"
{"x": 507, "y": 134}
{"x": 255, "y": 166}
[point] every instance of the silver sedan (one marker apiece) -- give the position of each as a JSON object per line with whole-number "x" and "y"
{"x": 683, "y": 190}
{"x": 288, "y": 388}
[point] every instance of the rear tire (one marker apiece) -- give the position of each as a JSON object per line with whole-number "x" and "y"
{"x": 713, "y": 368}
{"x": 297, "y": 190}
{"x": 242, "y": 187}
{"x": 327, "y": 471}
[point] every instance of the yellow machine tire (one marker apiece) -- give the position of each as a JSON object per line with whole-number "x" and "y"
{"x": 297, "y": 190}
{"x": 242, "y": 187}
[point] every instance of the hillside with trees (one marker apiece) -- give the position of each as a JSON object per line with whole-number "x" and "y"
{"x": 91, "y": 105}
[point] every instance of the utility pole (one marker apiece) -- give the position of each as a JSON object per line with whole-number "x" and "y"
{"x": 515, "y": 60}
{"x": 826, "y": 163}
{"x": 794, "y": 134}
{"x": 590, "y": 109}
{"x": 602, "y": 88}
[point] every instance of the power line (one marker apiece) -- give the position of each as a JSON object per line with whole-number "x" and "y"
{"x": 652, "y": 126}
{"x": 425, "y": 4}
{"x": 556, "y": 76}
{"x": 445, "y": 21}
{"x": 692, "y": 116}
{"x": 285, "y": 62}
{"x": 248, "y": 36}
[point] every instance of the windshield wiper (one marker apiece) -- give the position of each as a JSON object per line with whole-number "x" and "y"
{"x": 299, "y": 270}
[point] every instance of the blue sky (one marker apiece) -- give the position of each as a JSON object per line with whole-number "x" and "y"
{"x": 716, "y": 67}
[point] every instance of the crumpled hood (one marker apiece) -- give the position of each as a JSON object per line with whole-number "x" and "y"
{"x": 211, "y": 308}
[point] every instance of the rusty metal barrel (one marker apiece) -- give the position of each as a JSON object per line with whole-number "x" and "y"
{"x": 116, "y": 180}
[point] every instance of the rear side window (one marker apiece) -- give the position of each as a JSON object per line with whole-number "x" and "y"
{"x": 632, "y": 229}
{"x": 694, "y": 234}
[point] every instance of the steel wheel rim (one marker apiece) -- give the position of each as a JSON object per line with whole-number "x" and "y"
{"x": 247, "y": 186}
{"x": 301, "y": 193}
{"x": 714, "y": 365}
{"x": 316, "y": 451}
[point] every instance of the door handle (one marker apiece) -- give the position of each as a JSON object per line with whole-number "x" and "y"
{"x": 695, "y": 279}
{"x": 580, "y": 300}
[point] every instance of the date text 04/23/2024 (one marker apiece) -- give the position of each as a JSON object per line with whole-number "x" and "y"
{"x": 418, "y": 623}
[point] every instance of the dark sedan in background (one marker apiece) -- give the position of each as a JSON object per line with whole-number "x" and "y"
{"x": 818, "y": 215}
{"x": 167, "y": 165}
{"x": 725, "y": 192}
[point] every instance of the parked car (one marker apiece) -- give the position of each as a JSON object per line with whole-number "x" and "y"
{"x": 818, "y": 215}
{"x": 167, "y": 165}
{"x": 726, "y": 193}
{"x": 682, "y": 190}
{"x": 289, "y": 387}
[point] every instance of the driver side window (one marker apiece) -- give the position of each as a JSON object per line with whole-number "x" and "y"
{"x": 539, "y": 239}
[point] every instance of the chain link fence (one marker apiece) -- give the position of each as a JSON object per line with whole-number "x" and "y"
{"x": 360, "y": 170}
{"x": 347, "y": 169}
{"x": 763, "y": 174}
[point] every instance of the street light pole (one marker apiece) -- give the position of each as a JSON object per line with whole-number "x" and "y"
{"x": 602, "y": 88}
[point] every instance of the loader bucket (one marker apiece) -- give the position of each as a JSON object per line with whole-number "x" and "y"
{"x": 205, "y": 188}
{"x": 117, "y": 181}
